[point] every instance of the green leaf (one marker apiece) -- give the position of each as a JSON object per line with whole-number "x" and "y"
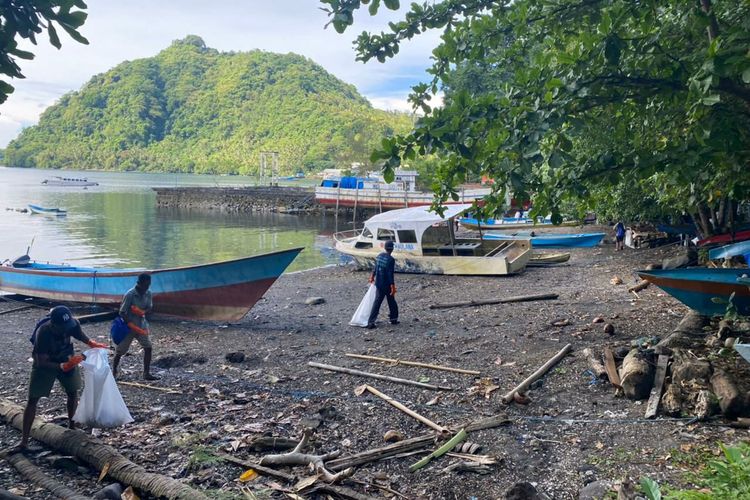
{"x": 711, "y": 100}
{"x": 746, "y": 75}
{"x": 53, "y": 38}
{"x": 389, "y": 174}
{"x": 373, "y": 9}
{"x": 612, "y": 50}
{"x": 392, "y": 4}
{"x": 650, "y": 488}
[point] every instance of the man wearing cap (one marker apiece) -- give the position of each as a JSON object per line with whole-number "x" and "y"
{"x": 136, "y": 303}
{"x": 385, "y": 285}
{"x": 55, "y": 359}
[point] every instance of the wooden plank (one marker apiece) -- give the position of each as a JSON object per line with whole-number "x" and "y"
{"x": 611, "y": 366}
{"x": 655, "y": 397}
{"x": 377, "y": 376}
{"x": 413, "y": 363}
{"x": 522, "y": 298}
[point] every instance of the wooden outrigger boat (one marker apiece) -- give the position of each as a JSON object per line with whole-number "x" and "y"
{"x": 220, "y": 291}
{"x": 510, "y": 223}
{"x": 57, "y": 212}
{"x": 573, "y": 240}
{"x": 425, "y": 242}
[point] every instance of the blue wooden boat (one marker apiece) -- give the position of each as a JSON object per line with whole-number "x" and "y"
{"x": 509, "y": 223}
{"x": 705, "y": 290}
{"x": 36, "y": 209}
{"x": 733, "y": 250}
{"x": 579, "y": 240}
{"x": 221, "y": 291}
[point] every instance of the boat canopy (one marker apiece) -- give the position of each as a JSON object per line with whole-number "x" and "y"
{"x": 417, "y": 219}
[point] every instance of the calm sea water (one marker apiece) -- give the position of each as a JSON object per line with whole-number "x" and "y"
{"x": 117, "y": 223}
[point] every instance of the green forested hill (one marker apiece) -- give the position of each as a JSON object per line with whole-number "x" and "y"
{"x": 194, "y": 109}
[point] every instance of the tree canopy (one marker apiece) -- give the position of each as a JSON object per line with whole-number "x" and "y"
{"x": 192, "y": 108}
{"x": 580, "y": 100}
{"x": 27, "y": 19}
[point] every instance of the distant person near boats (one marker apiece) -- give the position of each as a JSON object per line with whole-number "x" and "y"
{"x": 385, "y": 284}
{"x": 619, "y": 236}
{"x": 54, "y": 359}
{"x": 136, "y": 304}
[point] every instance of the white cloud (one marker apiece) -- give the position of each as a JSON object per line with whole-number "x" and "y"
{"x": 120, "y": 31}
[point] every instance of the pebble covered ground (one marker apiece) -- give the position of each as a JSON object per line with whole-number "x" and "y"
{"x": 573, "y": 434}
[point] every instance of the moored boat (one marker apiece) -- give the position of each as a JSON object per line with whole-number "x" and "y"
{"x": 510, "y": 223}
{"x": 705, "y": 290}
{"x": 425, "y": 243}
{"x": 733, "y": 250}
{"x": 36, "y": 209}
{"x": 221, "y": 291}
{"x": 579, "y": 240}
{"x": 68, "y": 181}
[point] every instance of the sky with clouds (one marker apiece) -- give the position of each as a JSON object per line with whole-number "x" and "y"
{"x": 125, "y": 30}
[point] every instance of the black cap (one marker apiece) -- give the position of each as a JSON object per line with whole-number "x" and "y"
{"x": 389, "y": 245}
{"x": 61, "y": 317}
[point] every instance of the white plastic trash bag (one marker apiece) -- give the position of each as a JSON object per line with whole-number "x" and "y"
{"x": 362, "y": 314}
{"x": 101, "y": 403}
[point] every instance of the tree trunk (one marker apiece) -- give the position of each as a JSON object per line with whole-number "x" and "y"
{"x": 636, "y": 376}
{"x": 97, "y": 455}
{"x": 36, "y": 476}
{"x": 705, "y": 221}
{"x": 732, "y": 403}
{"x": 721, "y": 215}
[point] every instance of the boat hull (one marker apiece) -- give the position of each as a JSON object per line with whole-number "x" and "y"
{"x": 451, "y": 265}
{"x": 723, "y": 239}
{"x": 584, "y": 240}
{"x": 704, "y": 290}
{"x": 493, "y": 225}
{"x": 733, "y": 250}
{"x": 36, "y": 209}
{"x": 222, "y": 291}
{"x": 548, "y": 259}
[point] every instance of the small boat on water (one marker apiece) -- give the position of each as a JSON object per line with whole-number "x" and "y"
{"x": 510, "y": 223}
{"x": 723, "y": 239}
{"x": 729, "y": 251}
{"x": 220, "y": 291}
{"x": 36, "y": 209}
{"x": 705, "y": 290}
{"x": 425, "y": 243}
{"x": 578, "y": 240}
{"x": 68, "y": 181}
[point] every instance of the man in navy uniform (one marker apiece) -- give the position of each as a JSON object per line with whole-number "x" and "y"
{"x": 382, "y": 277}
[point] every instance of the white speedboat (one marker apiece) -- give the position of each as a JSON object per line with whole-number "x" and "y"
{"x": 425, "y": 242}
{"x": 68, "y": 181}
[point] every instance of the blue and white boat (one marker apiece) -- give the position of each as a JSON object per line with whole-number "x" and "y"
{"x": 36, "y": 209}
{"x": 575, "y": 240}
{"x": 220, "y": 291}
{"x": 728, "y": 251}
{"x": 514, "y": 223}
{"x": 707, "y": 291}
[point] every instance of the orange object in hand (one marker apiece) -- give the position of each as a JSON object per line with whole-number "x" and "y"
{"x": 71, "y": 363}
{"x": 137, "y": 329}
{"x": 393, "y": 290}
{"x": 97, "y": 345}
{"x": 137, "y": 311}
{"x": 371, "y": 279}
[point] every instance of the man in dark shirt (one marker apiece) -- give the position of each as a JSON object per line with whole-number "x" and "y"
{"x": 55, "y": 359}
{"x": 385, "y": 285}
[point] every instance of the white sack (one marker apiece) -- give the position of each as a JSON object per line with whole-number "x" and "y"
{"x": 101, "y": 404}
{"x": 362, "y": 314}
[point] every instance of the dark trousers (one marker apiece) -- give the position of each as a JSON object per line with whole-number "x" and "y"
{"x": 392, "y": 306}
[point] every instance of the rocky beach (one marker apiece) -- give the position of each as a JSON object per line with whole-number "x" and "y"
{"x": 231, "y": 384}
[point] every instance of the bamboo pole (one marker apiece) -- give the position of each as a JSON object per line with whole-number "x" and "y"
{"x": 404, "y": 409}
{"x": 413, "y": 363}
{"x": 541, "y": 371}
{"x": 520, "y": 298}
{"x": 445, "y": 448}
{"x": 359, "y": 373}
{"x": 16, "y": 309}
{"x": 152, "y": 387}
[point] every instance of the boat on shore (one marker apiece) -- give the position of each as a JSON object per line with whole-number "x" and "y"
{"x": 510, "y": 223}
{"x": 705, "y": 290}
{"x": 728, "y": 251}
{"x": 723, "y": 239}
{"x": 68, "y": 181}
{"x": 36, "y": 209}
{"x": 573, "y": 240}
{"x": 547, "y": 259}
{"x": 220, "y": 291}
{"x": 425, "y": 242}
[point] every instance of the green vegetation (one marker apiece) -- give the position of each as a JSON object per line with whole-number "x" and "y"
{"x": 727, "y": 478}
{"x": 27, "y": 19}
{"x": 194, "y": 109}
{"x": 591, "y": 102}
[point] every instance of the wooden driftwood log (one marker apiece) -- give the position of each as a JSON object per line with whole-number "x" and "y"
{"x": 636, "y": 376}
{"x": 97, "y": 455}
{"x": 595, "y": 364}
{"x": 296, "y": 457}
{"x": 377, "y": 376}
{"x": 731, "y": 402}
{"x": 36, "y": 476}
{"x": 640, "y": 286}
{"x": 507, "y": 300}
{"x": 537, "y": 374}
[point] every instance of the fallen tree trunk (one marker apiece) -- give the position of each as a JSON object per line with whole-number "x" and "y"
{"x": 38, "y": 477}
{"x": 732, "y": 403}
{"x": 98, "y": 454}
{"x": 470, "y": 303}
{"x": 595, "y": 364}
{"x": 636, "y": 376}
